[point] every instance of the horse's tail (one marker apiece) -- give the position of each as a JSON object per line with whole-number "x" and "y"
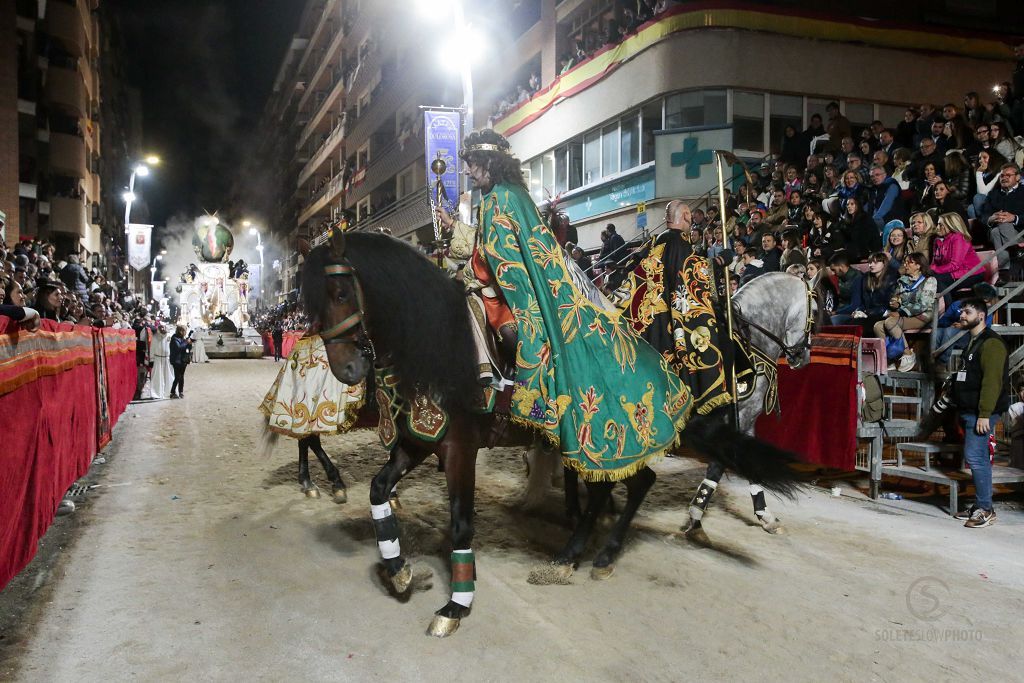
{"x": 268, "y": 438}
{"x": 541, "y": 461}
{"x": 755, "y": 460}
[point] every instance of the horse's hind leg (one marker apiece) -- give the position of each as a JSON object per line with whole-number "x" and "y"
{"x": 308, "y": 487}
{"x": 337, "y": 483}
{"x": 571, "y": 482}
{"x": 701, "y": 500}
{"x": 597, "y": 497}
{"x": 765, "y": 518}
{"x": 637, "y": 487}
{"x": 397, "y": 572}
{"x": 460, "y": 471}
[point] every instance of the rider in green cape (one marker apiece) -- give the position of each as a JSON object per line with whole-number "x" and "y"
{"x": 582, "y": 378}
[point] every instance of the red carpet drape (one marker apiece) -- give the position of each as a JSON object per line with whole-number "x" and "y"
{"x": 61, "y": 391}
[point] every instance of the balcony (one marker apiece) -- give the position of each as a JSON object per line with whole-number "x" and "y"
{"x": 322, "y": 198}
{"x": 336, "y": 91}
{"x": 402, "y": 218}
{"x": 64, "y": 24}
{"x": 67, "y": 155}
{"x": 68, "y": 216}
{"x": 92, "y": 135}
{"x": 92, "y": 188}
{"x": 65, "y": 90}
{"x": 321, "y": 155}
{"x": 390, "y": 94}
{"x": 386, "y": 164}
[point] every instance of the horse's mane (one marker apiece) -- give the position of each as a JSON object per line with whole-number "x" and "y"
{"x": 413, "y": 310}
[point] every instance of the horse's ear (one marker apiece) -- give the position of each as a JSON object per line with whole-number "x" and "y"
{"x": 338, "y": 244}
{"x": 304, "y": 247}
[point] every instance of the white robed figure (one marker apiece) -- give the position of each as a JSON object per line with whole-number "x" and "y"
{"x": 160, "y": 351}
{"x": 199, "y": 350}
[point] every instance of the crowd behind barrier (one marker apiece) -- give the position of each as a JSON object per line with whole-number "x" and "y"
{"x": 62, "y": 389}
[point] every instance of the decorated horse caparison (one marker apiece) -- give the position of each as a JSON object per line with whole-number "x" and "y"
{"x": 384, "y": 308}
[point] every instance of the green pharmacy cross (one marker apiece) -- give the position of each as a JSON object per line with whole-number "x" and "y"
{"x": 692, "y": 158}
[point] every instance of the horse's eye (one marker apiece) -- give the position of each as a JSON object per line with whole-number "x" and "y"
{"x": 342, "y": 295}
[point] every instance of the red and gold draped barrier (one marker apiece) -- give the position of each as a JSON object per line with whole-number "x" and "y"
{"x": 818, "y": 404}
{"x": 287, "y": 343}
{"x": 743, "y": 16}
{"x": 61, "y": 391}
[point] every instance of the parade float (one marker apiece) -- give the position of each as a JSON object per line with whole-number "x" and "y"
{"x": 213, "y": 294}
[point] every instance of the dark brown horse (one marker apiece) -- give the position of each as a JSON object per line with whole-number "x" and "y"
{"x": 378, "y": 301}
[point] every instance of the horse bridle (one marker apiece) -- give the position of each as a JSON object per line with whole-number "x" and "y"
{"x": 790, "y": 351}
{"x": 352, "y": 330}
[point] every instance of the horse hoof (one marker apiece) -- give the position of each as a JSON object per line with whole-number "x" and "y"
{"x": 395, "y": 503}
{"x": 552, "y": 575}
{"x": 403, "y": 579}
{"x": 602, "y": 573}
{"x": 772, "y": 526}
{"x": 313, "y": 492}
{"x": 340, "y": 496}
{"x": 696, "y": 534}
{"x": 442, "y": 627}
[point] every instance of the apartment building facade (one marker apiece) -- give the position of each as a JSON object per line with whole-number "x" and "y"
{"x": 588, "y": 136}
{"x": 58, "y": 125}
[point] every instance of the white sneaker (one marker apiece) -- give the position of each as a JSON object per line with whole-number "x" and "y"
{"x": 907, "y": 362}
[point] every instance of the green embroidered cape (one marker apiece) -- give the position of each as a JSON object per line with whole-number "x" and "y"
{"x": 605, "y": 396}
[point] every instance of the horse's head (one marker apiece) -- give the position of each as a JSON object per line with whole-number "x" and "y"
{"x": 334, "y": 300}
{"x": 801, "y": 320}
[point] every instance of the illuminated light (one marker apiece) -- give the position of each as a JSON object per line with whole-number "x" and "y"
{"x": 142, "y": 170}
{"x": 246, "y": 224}
{"x": 128, "y": 196}
{"x": 152, "y": 160}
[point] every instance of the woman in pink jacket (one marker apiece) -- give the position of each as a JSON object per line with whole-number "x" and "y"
{"x": 952, "y": 254}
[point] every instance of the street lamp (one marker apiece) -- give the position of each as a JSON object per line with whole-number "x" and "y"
{"x": 152, "y": 266}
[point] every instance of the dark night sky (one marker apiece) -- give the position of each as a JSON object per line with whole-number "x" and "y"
{"x": 204, "y": 69}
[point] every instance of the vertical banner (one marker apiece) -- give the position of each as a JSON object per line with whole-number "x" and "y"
{"x": 140, "y": 242}
{"x": 158, "y": 289}
{"x": 442, "y": 129}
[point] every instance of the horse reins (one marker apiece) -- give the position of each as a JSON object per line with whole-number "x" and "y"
{"x": 348, "y": 330}
{"x": 789, "y": 351}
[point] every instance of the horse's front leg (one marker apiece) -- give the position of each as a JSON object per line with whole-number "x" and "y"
{"x": 598, "y": 493}
{"x": 459, "y": 449}
{"x": 305, "y": 482}
{"x": 337, "y": 483}
{"x": 397, "y": 572}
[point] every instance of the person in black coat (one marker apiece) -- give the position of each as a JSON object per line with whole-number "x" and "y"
{"x": 861, "y": 235}
{"x": 181, "y": 353}
{"x": 795, "y": 148}
{"x": 74, "y": 277}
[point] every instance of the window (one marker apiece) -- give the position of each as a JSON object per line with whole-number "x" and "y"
{"x": 404, "y": 184}
{"x": 363, "y": 156}
{"x": 575, "y": 164}
{"x": 610, "y": 150}
{"x": 786, "y": 110}
{"x": 817, "y": 106}
{"x": 363, "y": 208}
{"x": 890, "y": 115}
{"x": 548, "y": 176}
{"x": 748, "y": 121}
{"x": 561, "y": 170}
{"x": 650, "y": 121}
{"x": 697, "y": 108}
{"x": 861, "y": 114}
{"x": 629, "y": 142}
{"x": 591, "y": 158}
{"x": 537, "y": 179}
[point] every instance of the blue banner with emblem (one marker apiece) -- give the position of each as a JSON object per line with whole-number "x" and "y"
{"x": 443, "y": 131}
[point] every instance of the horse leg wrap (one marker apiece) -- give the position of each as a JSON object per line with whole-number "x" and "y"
{"x": 701, "y": 501}
{"x": 760, "y": 506}
{"x": 463, "y": 577}
{"x": 385, "y": 527}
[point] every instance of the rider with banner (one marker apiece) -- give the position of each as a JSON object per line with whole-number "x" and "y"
{"x": 582, "y": 377}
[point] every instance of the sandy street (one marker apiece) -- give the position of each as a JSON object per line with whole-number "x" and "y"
{"x": 198, "y": 560}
